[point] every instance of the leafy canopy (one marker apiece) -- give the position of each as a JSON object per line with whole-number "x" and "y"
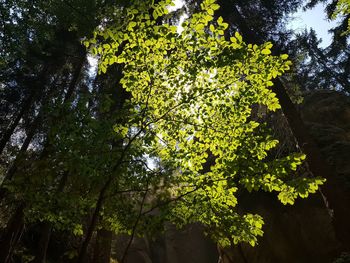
{"x": 192, "y": 96}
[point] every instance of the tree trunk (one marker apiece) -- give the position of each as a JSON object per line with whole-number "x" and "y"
{"x": 12, "y": 235}
{"x": 46, "y": 229}
{"x": 75, "y": 77}
{"x": 15, "y": 228}
{"x": 25, "y": 107}
{"x": 43, "y": 243}
{"x": 336, "y": 201}
{"x": 93, "y": 223}
{"x": 12, "y": 170}
{"x": 120, "y": 96}
{"x": 7, "y": 135}
{"x": 102, "y": 251}
{"x": 72, "y": 85}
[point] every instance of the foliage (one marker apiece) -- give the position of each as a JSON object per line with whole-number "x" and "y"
{"x": 343, "y": 8}
{"x": 192, "y": 95}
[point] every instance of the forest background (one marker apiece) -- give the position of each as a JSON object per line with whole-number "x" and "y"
{"x": 177, "y": 127}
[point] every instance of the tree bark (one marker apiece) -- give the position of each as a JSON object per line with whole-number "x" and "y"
{"x": 25, "y": 107}
{"x": 72, "y": 85}
{"x": 336, "y": 200}
{"x": 8, "y": 133}
{"x": 12, "y": 235}
{"x": 15, "y": 227}
{"x": 103, "y": 245}
{"x": 12, "y": 170}
{"x": 46, "y": 229}
{"x": 75, "y": 77}
{"x": 93, "y": 223}
{"x": 43, "y": 243}
{"x": 120, "y": 96}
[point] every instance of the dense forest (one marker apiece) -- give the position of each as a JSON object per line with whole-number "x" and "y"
{"x": 132, "y": 131}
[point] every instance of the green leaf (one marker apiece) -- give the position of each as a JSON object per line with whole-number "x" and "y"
{"x": 266, "y": 51}
{"x": 284, "y": 56}
{"x": 215, "y": 6}
{"x": 132, "y": 24}
{"x": 199, "y": 27}
{"x": 155, "y": 14}
{"x": 238, "y": 37}
{"x": 103, "y": 69}
{"x": 212, "y": 28}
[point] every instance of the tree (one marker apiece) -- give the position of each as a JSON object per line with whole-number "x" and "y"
{"x": 343, "y": 8}
{"x": 42, "y": 60}
{"x": 192, "y": 95}
{"x": 185, "y": 141}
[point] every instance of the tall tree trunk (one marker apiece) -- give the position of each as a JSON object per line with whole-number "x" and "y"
{"x": 9, "y": 131}
{"x": 46, "y": 229}
{"x": 12, "y": 235}
{"x": 76, "y": 75}
{"x": 120, "y": 96}
{"x": 336, "y": 201}
{"x": 45, "y": 234}
{"x": 25, "y": 107}
{"x": 15, "y": 226}
{"x": 32, "y": 131}
{"x": 12, "y": 170}
{"x": 93, "y": 223}
{"x": 46, "y": 226}
{"x": 14, "y": 229}
{"x": 103, "y": 245}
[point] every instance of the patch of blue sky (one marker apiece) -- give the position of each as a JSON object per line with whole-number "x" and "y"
{"x": 315, "y": 18}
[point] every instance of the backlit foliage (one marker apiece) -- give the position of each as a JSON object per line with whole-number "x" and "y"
{"x": 192, "y": 96}
{"x": 343, "y": 9}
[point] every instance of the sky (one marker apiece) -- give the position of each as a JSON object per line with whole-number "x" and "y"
{"x": 316, "y": 19}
